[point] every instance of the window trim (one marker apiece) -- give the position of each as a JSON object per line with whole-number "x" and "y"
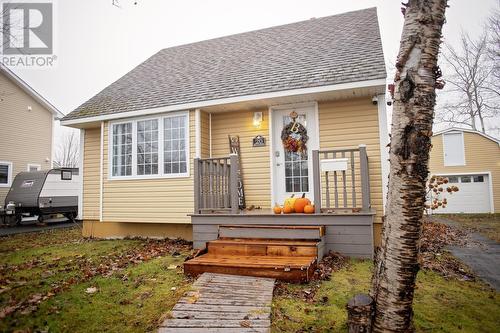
{"x": 161, "y": 173}
{"x": 463, "y": 148}
{"x": 29, "y": 165}
{"x": 9, "y": 173}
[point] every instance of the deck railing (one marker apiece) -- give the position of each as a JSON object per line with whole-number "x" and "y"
{"x": 345, "y": 186}
{"x": 341, "y": 179}
{"x": 213, "y": 184}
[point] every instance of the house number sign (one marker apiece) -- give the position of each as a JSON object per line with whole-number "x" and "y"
{"x": 259, "y": 141}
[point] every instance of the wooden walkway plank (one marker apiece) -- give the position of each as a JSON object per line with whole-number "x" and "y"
{"x": 220, "y": 303}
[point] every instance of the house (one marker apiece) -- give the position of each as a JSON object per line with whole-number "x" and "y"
{"x": 26, "y": 135}
{"x": 471, "y": 161}
{"x": 157, "y": 143}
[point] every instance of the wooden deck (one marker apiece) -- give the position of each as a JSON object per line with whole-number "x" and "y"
{"x": 223, "y": 304}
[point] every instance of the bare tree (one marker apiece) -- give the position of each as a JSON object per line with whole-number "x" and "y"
{"x": 68, "y": 151}
{"x": 493, "y": 28}
{"x": 473, "y": 87}
{"x": 417, "y": 77}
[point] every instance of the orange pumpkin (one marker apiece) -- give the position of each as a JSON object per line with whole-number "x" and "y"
{"x": 277, "y": 209}
{"x": 287, "y": 209}
{"x": 300, "y": 203}
{"x": 309, "y": 209}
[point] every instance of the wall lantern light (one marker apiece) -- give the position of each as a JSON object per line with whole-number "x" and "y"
{"x": 257, "y": 119}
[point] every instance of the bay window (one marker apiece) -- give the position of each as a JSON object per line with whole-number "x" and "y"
{"x": 122, "y": 149}
{"x": 174, "y": 148}
{"x": 150, "y": 147}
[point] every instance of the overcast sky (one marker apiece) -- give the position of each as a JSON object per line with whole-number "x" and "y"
{"x": 96, "y": 43}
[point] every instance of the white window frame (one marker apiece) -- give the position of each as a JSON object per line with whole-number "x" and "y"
{"x": 161, "y": 173}
{"x": 444, "y": 149}
{"x": 9, "y": 174}
{"x": 31, "y": 165}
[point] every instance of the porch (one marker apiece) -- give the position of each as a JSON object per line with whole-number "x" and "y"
{"x": 233, "y": 220}
{"x": 341, "y": 198}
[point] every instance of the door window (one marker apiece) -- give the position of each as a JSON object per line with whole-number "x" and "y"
{"x": 296, "y": 164}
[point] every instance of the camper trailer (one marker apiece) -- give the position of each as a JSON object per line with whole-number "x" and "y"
{"x": 44, "y": 194}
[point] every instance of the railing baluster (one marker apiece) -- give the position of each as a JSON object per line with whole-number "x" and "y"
{"x": 344, "y": 185}
{"x": 205, "y": 184}
{"x": 353, "y": 181}
{"x": 335, "y": 185}
{"x": 225, "y": 203}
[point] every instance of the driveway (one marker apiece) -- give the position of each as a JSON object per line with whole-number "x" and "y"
{"x": 26, "y": 227}
{"x": 481, "y": 254}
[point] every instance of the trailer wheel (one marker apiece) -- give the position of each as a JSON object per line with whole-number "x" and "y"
{"x": 70, "y": 216}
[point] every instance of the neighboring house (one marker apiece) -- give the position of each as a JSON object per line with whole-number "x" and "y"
{"x": 26, "y": 133}
{"x": 155, "y": 142}
{"x": 471, "y": 161}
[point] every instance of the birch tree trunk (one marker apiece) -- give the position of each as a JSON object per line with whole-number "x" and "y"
{"x": 416, "y": 79}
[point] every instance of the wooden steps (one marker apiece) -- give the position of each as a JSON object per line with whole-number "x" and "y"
{"x": 287, "y": 253}
{"x": 263, "y": 247}
{"x": 294, "y": 269}
{"x": 288, "y": 232}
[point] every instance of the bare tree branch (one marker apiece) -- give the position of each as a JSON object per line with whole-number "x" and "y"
{"x": 68, "y": 152}
{"x": 471, "y": 82}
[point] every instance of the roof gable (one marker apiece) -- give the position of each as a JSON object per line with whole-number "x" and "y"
{"x": 30, "y": 91}
{"x": 458, "y": 129}
{"x": 319, "y": 52}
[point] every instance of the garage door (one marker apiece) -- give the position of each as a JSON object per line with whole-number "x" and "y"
{"x": 473, "y": 195}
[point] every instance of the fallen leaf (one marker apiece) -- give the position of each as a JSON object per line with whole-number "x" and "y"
{"x": 91, "y": 290}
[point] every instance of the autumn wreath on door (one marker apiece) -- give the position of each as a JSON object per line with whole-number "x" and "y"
{"x": 294, "y": 136}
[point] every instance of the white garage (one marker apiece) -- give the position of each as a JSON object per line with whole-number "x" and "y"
{"x": 474, "y": 195}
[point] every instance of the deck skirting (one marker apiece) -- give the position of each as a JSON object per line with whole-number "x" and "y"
{"x": 348, "y": 234}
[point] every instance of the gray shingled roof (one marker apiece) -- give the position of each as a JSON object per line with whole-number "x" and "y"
{"x": 323, "y": 51}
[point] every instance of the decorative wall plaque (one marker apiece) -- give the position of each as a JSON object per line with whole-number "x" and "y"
{"x": 259, "y": 141}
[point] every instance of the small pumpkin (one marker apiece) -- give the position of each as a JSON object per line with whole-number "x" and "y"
{"x": 287, "y": 209}
{"x": 290, "y": 202}
{"x": 309, "y": 209}
{"x": 277, "y": 209}
{"x": 300, "y": 203}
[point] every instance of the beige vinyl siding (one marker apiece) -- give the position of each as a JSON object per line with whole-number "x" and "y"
{"x": 347, "y": 124}
{"x": 481, "y": 155}
{"x": 25, "y": 136}
{"x": 159, "y": 200}
{"x": 254, "y": 161}
{"x": 91, "y": 161}
{"x": 205, "y": 134}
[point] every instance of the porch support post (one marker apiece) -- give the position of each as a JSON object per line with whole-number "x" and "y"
{"x": 365, "y": 178}
{"x": 316, "y": 181}
{"x": 197, "y": 189}
{"x": 233, "y": 183}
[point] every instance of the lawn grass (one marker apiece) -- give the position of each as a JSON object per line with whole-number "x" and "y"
{"x": 486, "y": 224}
{"x": 134, "y": 297}
{"x": 35, "y": 270}
{"x": 441, "y": 305}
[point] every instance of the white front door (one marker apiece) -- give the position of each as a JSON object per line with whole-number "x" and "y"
{"x": 292, "y": 172}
